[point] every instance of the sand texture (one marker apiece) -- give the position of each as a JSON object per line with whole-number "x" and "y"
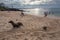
{"x": 32, "y": 29}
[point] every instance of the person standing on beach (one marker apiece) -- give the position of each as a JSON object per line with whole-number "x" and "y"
{"x": 45, "y": 14}
{"x": 22, "y": 14}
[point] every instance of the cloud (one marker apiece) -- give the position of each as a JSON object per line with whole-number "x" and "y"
{"x": 36, "y": 2}
{"x": 31, "y": 2}
{"x": 8, "y": 1}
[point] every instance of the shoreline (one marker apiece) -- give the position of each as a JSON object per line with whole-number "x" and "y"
{"x": 38, "y": 15}
{"x": 54, "y": 17}
{"x": 49, "y": 16}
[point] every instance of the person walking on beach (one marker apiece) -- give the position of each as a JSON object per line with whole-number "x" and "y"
{"x": 45, "y": 14}
{"x": 22, "y": 14}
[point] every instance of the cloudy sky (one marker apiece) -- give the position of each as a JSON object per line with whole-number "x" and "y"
{"x": 21, "y": 3}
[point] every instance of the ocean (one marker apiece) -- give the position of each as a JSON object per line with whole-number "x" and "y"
{"x": 40, "y": 11}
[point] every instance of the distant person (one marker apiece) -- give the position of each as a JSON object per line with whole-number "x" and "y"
{"x": 22, "y": 14}
{"x": 49, "y": 13}
{"x": 45, "y": 14}
{"x": 52, "y": 12}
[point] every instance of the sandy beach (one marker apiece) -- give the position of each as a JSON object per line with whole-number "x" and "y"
{"x": 32, "y": 29}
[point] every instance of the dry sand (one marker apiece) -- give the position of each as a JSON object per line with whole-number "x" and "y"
{"x": 32, "y": 29}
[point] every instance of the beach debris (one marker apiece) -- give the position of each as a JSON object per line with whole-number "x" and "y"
{"x": 16, "y": 25}
{"x": 26, "y": 39}
{"x": 45, "y": 28}
{"x": 16, "y": 19}
{"x": 3, "y": 39}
